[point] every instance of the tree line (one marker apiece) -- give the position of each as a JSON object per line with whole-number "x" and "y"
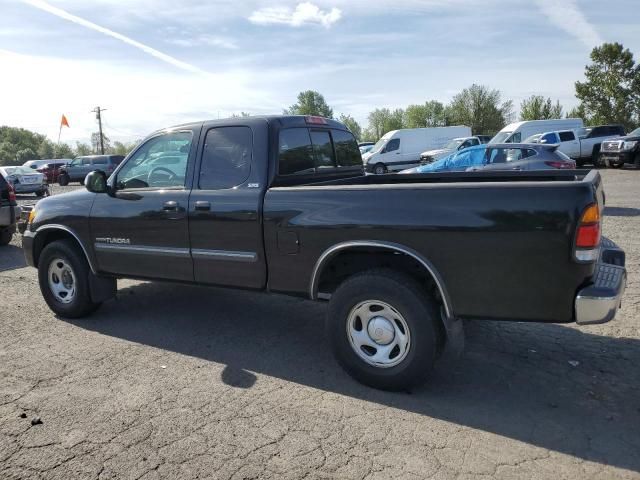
{"x": 610, "y": 93}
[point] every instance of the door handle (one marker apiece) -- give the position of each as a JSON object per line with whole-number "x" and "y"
{"x": 202, "y": 205}
{"x": 170, "y": 206}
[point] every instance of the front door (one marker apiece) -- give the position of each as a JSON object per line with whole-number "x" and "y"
{"x": 141, "y": 228}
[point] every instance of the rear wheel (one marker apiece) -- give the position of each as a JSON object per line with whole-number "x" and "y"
{"x": 595, "y": 158}
{"x": 63, "y": 274}
{"x": 5, "y": 236}
{"x": 383, "y": 328}
{"x": 63, "y": 180}
{"x": 380, "y": 169}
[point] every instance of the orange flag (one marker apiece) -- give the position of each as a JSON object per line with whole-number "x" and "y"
{"x": 64, "y": 122}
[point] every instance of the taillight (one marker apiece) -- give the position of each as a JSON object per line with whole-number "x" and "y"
{"x": 562, "y": 165}
{"x": 12, "y": 194}
{"x": 588, "y": 235}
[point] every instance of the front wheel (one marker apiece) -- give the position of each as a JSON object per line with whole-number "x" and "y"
{"x": 636, "y": 161}
{"x": 383, "y": 329}
{"x": 63, "y": 180}
{"x": 63, "y": 274}
{"x": 380, "y": 169}
{"x": 40, "y": 193}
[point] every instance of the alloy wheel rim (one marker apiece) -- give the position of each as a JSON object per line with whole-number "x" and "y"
{"x": 378, "y": 333}
{"x": 62, "y": 280}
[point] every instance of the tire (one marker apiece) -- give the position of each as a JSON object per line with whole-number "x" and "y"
{"x": 595, "y": 157}
{"x": 636, "y": 160}
{"x": 67, "y": 259}
{"x": 616, "y": 165}
{"x": 40, "y": 193}
{"x": 380, "y": 169}
{"x": 6, "y": 234}
{"x": 63, "y": 180}
{"x": 416, "y": 313}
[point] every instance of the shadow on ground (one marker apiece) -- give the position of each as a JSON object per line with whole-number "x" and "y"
{"x": 515, "y": 379}
{"x": 11, "y": 257}
{"x": 622, "y": 211}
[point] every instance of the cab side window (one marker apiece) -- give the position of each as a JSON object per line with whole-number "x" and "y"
{"x": 347, "y": 151}
{"x": 393, "y": 145}
{"x": 295, "y": 152}
{"x": 226, "y": 159}
{"x": 160, "y": 163}
{"x": 567, "y": 136}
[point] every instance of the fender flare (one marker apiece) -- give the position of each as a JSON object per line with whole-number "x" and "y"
{"x": 330, "y": 252}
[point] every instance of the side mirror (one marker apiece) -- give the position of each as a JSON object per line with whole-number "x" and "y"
{"x": 96, "y": 182}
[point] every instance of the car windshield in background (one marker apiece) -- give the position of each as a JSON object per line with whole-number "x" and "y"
{"x": 635, "y": 133}
{"x": 583, "y": 132}
{"x": 501, "y": 137}
{"x": 453, "y": 144}
{"x": 378, "y": 146}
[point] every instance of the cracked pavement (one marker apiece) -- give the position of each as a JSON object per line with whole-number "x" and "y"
{"x": 174, "y": 381}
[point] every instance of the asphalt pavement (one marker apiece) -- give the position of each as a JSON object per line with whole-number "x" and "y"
{"x": 174, "y": 381}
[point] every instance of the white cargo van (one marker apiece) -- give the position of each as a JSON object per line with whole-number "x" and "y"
{"x": 400, "y": 149}
{"x": 517, "y": 132}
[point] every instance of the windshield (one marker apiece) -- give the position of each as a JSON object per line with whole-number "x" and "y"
{"x": 635, "y": 133}
{"x": 533, "y": 138}
{"x": 75, "y": 161}
{"x": 583, "y": 132}
{"x": 454, "y": 144}
{"x": 501, "y": 137}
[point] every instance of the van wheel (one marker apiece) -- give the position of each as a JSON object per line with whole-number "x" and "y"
{"x": 380, "y": 169}
{"x": 383, "y": 329}
{"x": 63, "y": 180}
{"x": 63, "y": 274}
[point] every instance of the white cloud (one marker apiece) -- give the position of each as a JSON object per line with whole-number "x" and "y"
{"x": 303, "y": 14}
{"x": 85, "y": 23}
{"x": 206, "y": 40}
{"x": 566, "y": 14}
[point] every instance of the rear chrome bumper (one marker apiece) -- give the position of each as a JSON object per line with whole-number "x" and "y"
{"x": 600, "y": 301}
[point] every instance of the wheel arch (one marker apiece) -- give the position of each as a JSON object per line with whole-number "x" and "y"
{"x": 50, "y": 233}
{"x": 375, "y": 248}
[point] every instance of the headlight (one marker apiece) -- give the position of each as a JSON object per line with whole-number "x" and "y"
{"x": 32, "y": 216}
{"x": 629, "y": 145}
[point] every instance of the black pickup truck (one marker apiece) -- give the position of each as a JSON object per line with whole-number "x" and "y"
{"x": 281, "y": 204}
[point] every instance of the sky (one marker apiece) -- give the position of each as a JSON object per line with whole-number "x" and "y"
{"x": 156, "y": 63}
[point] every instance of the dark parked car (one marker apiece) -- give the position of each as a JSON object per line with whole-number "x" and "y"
{"x": 51, "y": 171}
{"x": 618, "y": 151}
{"x": 9, "y": 211}
{"x": 79, "y": 167}
{"x": 281, "y": 204}
{"x": 507, "y": 156}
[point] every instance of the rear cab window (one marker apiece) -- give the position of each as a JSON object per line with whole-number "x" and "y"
{"x": 567, "y": 136}
{"x": 309, "y": 150}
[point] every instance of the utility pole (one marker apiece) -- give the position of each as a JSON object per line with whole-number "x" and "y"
{"x": 98, "y": 112}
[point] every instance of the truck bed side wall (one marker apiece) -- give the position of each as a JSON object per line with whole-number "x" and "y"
{"x": 503, "y": 250}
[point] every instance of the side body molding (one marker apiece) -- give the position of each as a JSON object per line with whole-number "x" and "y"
{"x": 335, "y": 249}
{"x": 55, "y": 226}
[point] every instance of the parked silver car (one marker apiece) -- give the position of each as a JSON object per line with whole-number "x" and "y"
{"x": 25, "y": 180}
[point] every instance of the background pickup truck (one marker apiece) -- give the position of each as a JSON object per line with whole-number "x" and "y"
{"x": 582, "y": 145}
{"x": 280, "y": 204}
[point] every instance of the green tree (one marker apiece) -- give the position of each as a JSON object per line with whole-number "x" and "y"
{"x": 353, "y": 126}
{"x": 62, "y": 150}
{"x": 430, "y": 114}
{"x": 95, "y": 142}
{"x": 13, "y": 139}
{"x": 45, "y": 149}
{"x": 83, "y": 149}
{"x": 25, "y": 155}
{"x": 480, "y": 108}
{"x": 120, "y": 148}
{"x": 536, "y": 107}
{"x": 310, "y": 102}
{"x": 611, "y": 90}
{"x": 383, "y": 120}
